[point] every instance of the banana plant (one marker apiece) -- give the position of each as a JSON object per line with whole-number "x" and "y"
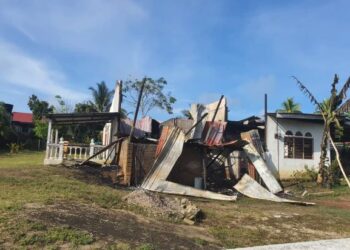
{"x": 328, "y": 110}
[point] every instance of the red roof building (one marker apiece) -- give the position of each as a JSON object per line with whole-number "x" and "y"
{"x": 21, "y": 117}
{"x": 22, "y": 122}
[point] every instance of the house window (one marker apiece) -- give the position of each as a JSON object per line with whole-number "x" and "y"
{"x": 298, "y": 146}
{"x": 288, "y": 145}
{"x": 308, "y": 146}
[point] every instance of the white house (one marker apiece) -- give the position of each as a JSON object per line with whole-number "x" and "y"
{"x": 293, "y": 141}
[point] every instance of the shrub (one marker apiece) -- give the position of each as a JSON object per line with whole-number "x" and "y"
{"x": 334, "y": 174}
{"x": 14, "y": 148}
{"x": 308, "y": 174}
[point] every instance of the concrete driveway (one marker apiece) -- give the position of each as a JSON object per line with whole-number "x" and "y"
{"x": 337, "y": 244}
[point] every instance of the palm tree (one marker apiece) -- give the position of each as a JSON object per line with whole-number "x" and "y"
{"x": 289, "y": 106}
{"x": 102, "y": 97}
{"x": 328, "y": 111}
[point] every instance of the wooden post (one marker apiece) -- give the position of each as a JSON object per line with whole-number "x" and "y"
{"x": 217, "y": 108}
{"x": 204, "y": 165}
{"x": 137, "y": 109}
{"x": 195, "y": 125}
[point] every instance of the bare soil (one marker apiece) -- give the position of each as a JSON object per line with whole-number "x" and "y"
{"x": 112, "y": 225}
{"x": 340, "y": 203}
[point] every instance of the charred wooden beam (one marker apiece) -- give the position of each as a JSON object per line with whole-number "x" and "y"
{"x": 196, "y": 124}
{"x": 217, "y": 108}
{"x": 137, "y": 109}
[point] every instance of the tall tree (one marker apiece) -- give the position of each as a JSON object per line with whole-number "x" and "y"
{"x": 102, "y": 97}
{"x": 85, "y": 107}
{"x": 328, "y": 111}
{"x": 39, "y": 108}
{"x": 289, "y": 106}
{"x": 153, "y": 95}
{"x": 5, "y": 121}
{"x": 63, "y": 106}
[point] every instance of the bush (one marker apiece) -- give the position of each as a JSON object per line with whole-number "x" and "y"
{"x": 334, "y": 174}
{"x": 14, "y": 148}
{"x": 308, "y": 174}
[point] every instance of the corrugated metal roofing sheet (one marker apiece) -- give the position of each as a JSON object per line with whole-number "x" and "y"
{"x": 156, "y": 179}
{"x": 213, "y": 133}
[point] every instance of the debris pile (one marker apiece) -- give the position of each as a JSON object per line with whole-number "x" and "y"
{"x": 169, "y": 207}
{"x": 197, "y": 157}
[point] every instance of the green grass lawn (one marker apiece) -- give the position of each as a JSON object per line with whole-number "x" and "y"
{"x": 33, "y": 195}
{"x": 24, "y": 180}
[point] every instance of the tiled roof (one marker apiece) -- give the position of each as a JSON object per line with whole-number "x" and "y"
{"x": 22, "y": 117}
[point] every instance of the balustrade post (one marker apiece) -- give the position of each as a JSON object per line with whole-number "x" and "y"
{"x": 92, "y": 145}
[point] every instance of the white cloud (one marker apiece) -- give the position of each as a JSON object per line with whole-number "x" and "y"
{"x": 20, "y": 70}
{"x": 76, "y": 25}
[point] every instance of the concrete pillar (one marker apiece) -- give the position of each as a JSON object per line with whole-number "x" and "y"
{"x": 47, "y": 155}
{"x": 61, "y": 148}
{"x": 56, "y": 136}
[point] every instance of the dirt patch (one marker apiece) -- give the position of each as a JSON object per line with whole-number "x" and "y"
{"x": 119, "y": 225}
{"x": 164, "y": 206}
{"x": 344, "y": 204}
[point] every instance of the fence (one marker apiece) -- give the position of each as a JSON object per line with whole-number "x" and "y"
{"x": 57, "y": 153}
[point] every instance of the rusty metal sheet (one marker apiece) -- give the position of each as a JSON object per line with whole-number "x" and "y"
{"x": 142, "y": 126}
{"x": 162, "y": 139}
{"x": 213, "y": 133}
{"x": 250, "y": 188}
{"x": 167, "y": 158}
{"x": 156, "y": 179}
{"x": 260, "y": 165}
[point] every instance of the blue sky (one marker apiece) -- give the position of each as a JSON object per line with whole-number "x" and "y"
{"x": 206, "y": 48}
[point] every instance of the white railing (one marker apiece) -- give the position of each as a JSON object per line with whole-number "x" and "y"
{"x": 102, "y": 156}
{"x": 56, "y": 153}
{"x": 52, "y": 151}
{"x": 76, "y": 152}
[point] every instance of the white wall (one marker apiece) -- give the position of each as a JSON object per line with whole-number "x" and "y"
{"x": 283, "y": 168}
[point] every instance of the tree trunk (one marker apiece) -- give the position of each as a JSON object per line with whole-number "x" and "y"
{"x": 322, "y": 173}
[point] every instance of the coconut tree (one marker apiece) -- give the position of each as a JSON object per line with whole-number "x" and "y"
{"x": 102, "y": 97}
{"x": 289, "y": 106}
{"x": 328, "y": 111}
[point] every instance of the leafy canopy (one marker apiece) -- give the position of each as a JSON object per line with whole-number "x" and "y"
{"x": 328, "y": 110}
{"x": 39, "y": 108}
{"x": 153, "y": 95}
{"x": 62, "y": 106}
{"x": 289, "y": 106}
{"x": 85, "y": 107}
{"x": 102, "y": 97}
{"x": 5, "y": 121}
